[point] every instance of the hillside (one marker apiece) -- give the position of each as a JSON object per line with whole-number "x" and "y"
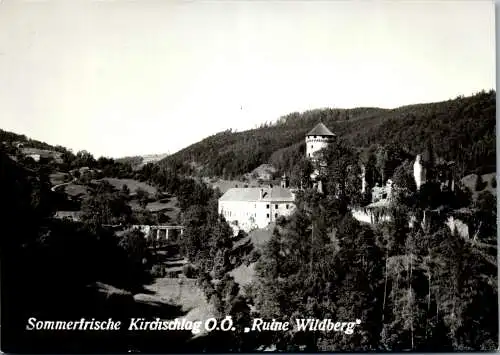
{"x": 462, "y": 129}
{"x": 487, "y": 182}
{"x": 10, "y": 138}
{"x": 139, "y": 161}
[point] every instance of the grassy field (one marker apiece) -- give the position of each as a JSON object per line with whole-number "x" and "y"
{"x": 168, "y": 206}
{"x": 470, "y": 182}
{"x": 180, "y": 292}
{"x": 58, "y": 178}
{"x": 261, "y": 236}
{"x": 75, "y": 190}
{"x": 243, "y": 274}
{"x": 44, "y": 153}
{"x": 131, "y": 184}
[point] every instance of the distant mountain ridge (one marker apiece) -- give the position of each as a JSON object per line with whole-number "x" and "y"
{"x": 10, "y": 138}
{"x": 33, "y": 146}
{"x": 139, "y": 161}
{"x": 461, "y": 129}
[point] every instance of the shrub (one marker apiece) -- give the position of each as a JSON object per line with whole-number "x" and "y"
{"x": 190, "y": 271}
{"x": 158, "y": 270}
{"x": 281, "y": 221}
{"x": 205, "y": 283}
{"x": 254, "y": 256}
{"x": 479, "y": 183}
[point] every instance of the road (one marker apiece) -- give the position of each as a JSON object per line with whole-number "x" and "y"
{"x": 54, "y": 188}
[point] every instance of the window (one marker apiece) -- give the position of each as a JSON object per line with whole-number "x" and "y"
{"x": 287, "y": 206}
{"x": 267, "y": 215}
{"x": 267, "y": 206}
{"x": 276, "y": 206}
{"x": 312, "y": 147}
{"x": 275, "y": 215}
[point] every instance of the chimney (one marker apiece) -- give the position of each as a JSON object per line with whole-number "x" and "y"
{"x": 284, "y": 181}
{"x": 363, "y": 179}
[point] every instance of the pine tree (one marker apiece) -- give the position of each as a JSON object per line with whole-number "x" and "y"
{"x": 479, "y": 183}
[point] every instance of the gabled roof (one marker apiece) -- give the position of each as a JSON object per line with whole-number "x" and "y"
{"x": 320, "y": 130}
{"x": 74, "y": 215}
{"x": 250, "y": 194}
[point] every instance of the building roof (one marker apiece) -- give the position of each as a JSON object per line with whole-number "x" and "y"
{"x": 250, "y": 194}
{"x": 74, "y": 215}
{"x": 320, "y": 130}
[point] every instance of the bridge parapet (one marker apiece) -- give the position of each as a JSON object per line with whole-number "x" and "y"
{"x": 151, "y": 230}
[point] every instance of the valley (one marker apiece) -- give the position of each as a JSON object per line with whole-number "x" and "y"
{"x": 310, "y": 260}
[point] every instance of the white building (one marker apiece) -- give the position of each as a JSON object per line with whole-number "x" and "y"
{"x": 35, "y": 157}
{"x": 419, "y": 172}
{"x": 255, "y": 207}
{"x": 374, "y": 213}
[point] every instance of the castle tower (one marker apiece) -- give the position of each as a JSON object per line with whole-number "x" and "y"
{"x": 419, "y": 172}
{"x": 318, "y": 138}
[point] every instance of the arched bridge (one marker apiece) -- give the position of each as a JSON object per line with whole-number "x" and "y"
{"x": 160, "y": 232}
{"x": 157, "y": 232}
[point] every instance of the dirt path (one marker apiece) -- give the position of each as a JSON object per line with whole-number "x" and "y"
{"x": 180, "y": 292}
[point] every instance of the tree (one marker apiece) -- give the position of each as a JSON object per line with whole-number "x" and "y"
{"x": 486, "y": 216}
{"x": 105, "y": 206}
{"x": 404, "y": 186}
{"x": 142, "y": 197}
{"x": 371, "y": 174}
{"x": 301, "y": 173}
{"x": 68, "y": 159}
{"x": 342, "y": 170}
{"x": 83, "y": 159}
{"x": 125, "y": 191}
{"x": 135, "y": 246}
{"x": 479, "y": 183}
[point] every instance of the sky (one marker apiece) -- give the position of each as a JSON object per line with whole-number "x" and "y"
{"x": 121, "y": 77}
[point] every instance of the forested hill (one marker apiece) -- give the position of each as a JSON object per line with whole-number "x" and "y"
{"x": 460, "y": 129}
{"x": 10, "y": 139}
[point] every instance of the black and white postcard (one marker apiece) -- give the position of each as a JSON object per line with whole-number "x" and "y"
{"x": 246, "y": 176}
